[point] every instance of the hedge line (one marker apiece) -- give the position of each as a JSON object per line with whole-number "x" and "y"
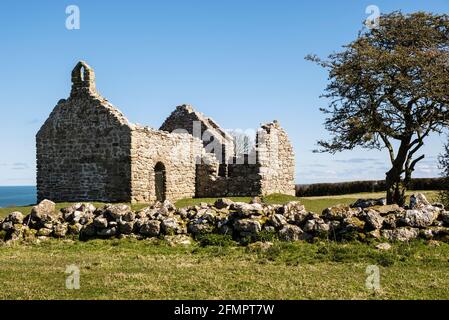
{"x": 327, "y": 189}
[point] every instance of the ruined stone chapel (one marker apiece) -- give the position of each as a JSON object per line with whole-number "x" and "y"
{"x": 88, "y": 151}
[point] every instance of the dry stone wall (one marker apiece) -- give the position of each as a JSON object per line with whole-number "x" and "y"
{"x": 244, "y": 222}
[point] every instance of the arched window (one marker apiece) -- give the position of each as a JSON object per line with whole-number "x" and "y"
{"x": 82, "y": 71}
{"x": 83, "y": 76}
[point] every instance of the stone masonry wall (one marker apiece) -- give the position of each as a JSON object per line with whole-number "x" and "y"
{"x": 185, "y": 117}
{"x": 273, "y": 170}
{"x": 243, "y": 179}
{"x": 244, "y": 176}
{"x": 177, "y": 153}
{"x": 83, "y": 149}
{"x": 88, "y": 151}
{"x": 277, "y": 160}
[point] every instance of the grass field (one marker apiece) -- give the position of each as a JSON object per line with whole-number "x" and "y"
{"x": 131, "y": 269}
{"x": 153, "y": 269}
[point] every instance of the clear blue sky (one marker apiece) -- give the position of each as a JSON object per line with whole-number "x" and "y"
{"x": 240, "y": 62}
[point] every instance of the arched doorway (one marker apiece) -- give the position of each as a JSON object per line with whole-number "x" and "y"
{"x": 159, "y": 181}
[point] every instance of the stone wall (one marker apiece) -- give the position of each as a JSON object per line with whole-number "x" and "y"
{"x": 88, "y": 151}
{"x": 177, "y": 153}
{"x": 367, "y": 220}
{"x": 83, "y": 149}
{"x": 243, "y": 179}
{"x": 244, "y": 176}
{"x": 277, "y": 160}
{"x": 268, "y": 169}
{"x": 215, "y": 140}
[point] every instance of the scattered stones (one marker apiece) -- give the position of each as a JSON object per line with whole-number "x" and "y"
{"x": 290, "y": 233}
{"x": 88, "y": 231}
{"x": 151, "y": 228}
{"x": 246, "y": 209}
{"x": 277, "y": 221}
{"x": 373, "y": 219}
{"x": 419, "y": 218}
{"x": 260, "y": 246}
{"x": 43, "y": 209}
{"x": 247, "y": 227}
{"x": 384, "y": 246}
{"x": 108, "y": 232}
{"x": 44, "y": 232}
{"x": 7, "y": 225}
{"x": 294, "y": 212}
{"x": 126, "y": 227}
{"x": 366, "y": 203}
{"x": 60, "y": 230}
{"x": 418, "y": 200}
{"x": 202, "y": 228}
{"x": 15, "y": 217}
{"x": 43, "y": 213}
{"x": 178, "y": 240}
{"x": 340, "y": 212}
{"x": 401, "y": 234}
{"x": 223, "y": 203}
{"x": 116, "y": 212}
{"x": 317, "y": 227}
{"x": 75, "y": 229}
{"x": 353, "y": 224}
{"x": 100, "y": 222}
{"x": 375, "y": 234}
{"x": 387, "y": 209}
{"x": 389, "y": 221}
{"x": 170, "y": 226}
{"x": 256, "y": 200}
{"x": 445, "y": 217}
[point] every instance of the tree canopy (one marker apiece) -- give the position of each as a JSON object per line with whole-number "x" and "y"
{"x": 390, "y": 84}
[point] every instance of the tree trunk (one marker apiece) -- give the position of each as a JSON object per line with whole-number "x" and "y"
{"x": 395, "y": 188}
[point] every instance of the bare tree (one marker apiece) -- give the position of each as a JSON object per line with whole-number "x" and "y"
{"x": 243, "y": 142}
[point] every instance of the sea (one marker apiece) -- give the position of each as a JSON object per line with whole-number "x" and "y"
{"x": 17, "y": 196}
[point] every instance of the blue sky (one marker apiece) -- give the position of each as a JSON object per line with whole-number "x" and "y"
{"x": 240, "y": 62}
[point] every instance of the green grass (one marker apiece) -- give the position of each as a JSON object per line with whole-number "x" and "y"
{"x": 216, "y": 268}
{"x": 127, "y": 269}
{"x": 315, "y": 204}
{"x": 318, "y": 204}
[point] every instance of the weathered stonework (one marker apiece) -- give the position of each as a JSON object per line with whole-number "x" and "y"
{"x": 268, "y": 169}
{"x": 177, "y": 152}
{"x": 83, "y": 149}
{"x": 88, "y": 151}
{"x": 277, "y": 160}
{"x": 242, "y": 221}
{"x": 215, "y": 140}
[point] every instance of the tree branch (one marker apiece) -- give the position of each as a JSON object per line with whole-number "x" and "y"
{"x": 414, "y": 162}
{"x": 389, "y": 146}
